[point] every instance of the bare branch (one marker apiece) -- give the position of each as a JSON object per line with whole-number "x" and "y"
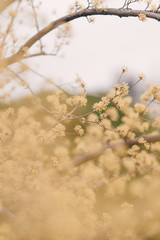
{"x": 32, "y": 93}
{"x": 39, "y": 54}
{"x": 84, "y": 158}
{"x": 10, "y": 24}
{"x": 88, "y": 156}
{"x": 63, "y": 119}
{"x": 36, "y": 22}
{"x": 83, "y": 13}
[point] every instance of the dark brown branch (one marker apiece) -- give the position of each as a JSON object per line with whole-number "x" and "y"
{"x": 148, "y": 138}
{"x": 88, "y": 156}
{"x": 83, "y": 13}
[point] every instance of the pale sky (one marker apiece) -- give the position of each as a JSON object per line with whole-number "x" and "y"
{"x": 97, "y": 51}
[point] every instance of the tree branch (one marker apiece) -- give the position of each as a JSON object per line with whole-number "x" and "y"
{"x": 4, "y": 4}
{"x": 83, "y": 13}
{"x": 88, "y": 156}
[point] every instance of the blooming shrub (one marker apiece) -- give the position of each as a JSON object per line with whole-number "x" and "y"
{"x": 96, "y": 182}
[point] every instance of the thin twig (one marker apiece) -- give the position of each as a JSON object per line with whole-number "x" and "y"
{"x": 120, "y": 77}
{"x": 148, "y": 105}
{"x": 36, "y": 22}
{"x": 44, "y": 77}
{"x": 10, "y": 24}
{"x": 32, "y": 93}
{"x": 63, "y": 119}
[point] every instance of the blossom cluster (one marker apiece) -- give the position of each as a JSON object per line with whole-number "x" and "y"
{"x": 78, "y": 172}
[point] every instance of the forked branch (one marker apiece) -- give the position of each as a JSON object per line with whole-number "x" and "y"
{"x": 21, "y": 53}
